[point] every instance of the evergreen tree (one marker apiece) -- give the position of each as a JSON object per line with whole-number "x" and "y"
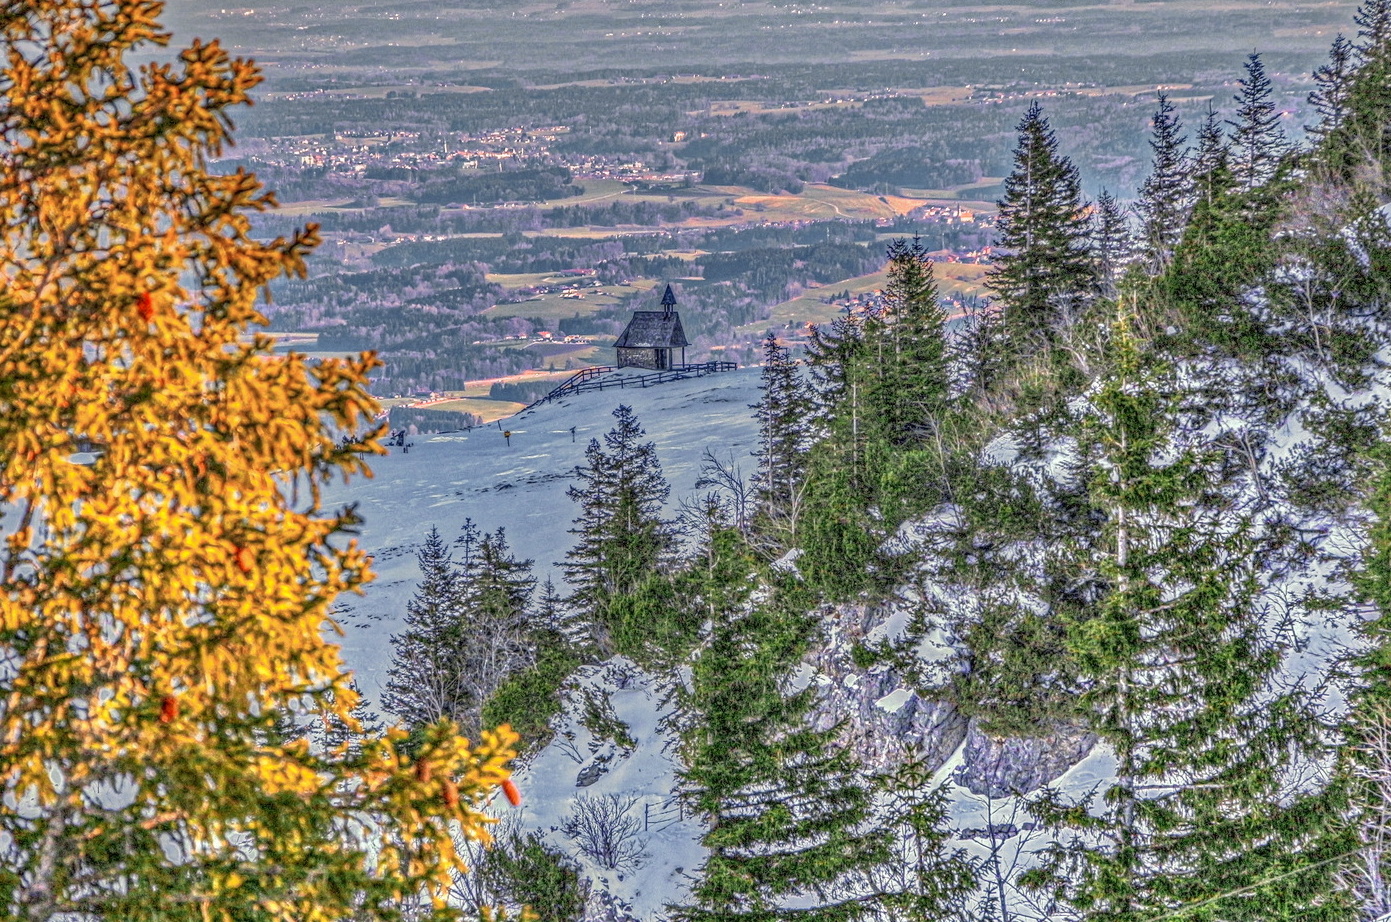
{"x": 425, "y": 682}
{"x": 1366, "y": 748}
{"x": 781, "y": 412}
{"x": 466, "y": 629}
{"x": 529, "y": 873}
{"x": 1212, "y": 170}
{"x": 1166, "y": 196}
{"x": 498, "y": 630}
{"x": 833, "y": 355}
{"x": 912, "y": 381}
{"x": 1206, "y": 816}
{"x": 1332, "y": 88}
{"x": 923, "y": 881}
{"x": 622, "y": 537}
{"x": 1045, "y": 275}
{"x": 1366, "y": 133}
{"x": 330, "y": 731}
{"x": 1373, "y": 21}
{"x": 789, "y": 832}
{"x": 1258, "y": 141}
{"x": 1353, "y": 95}
{"x": 1112, "y": 243}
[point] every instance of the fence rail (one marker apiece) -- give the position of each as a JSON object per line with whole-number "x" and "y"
{"x": 591, "y": 379}
{"x": 661, "y": 815}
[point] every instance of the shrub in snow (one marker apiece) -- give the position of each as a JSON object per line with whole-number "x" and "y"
{"x": 603, "y": 830}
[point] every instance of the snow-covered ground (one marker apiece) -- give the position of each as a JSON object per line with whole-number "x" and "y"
{"x": 444, "y": 479}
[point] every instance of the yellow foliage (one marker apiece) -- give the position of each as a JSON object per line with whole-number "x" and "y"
{"x": 166, "y": 604}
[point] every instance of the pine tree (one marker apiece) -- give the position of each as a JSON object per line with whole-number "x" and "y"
{"x": 1258, "y": 141}
{"x": 165, "y": 605}
{"x": 788, "y": 820}
{"x": 1166, "y": 196}
{"x": 1205, "y": 816}
{"x": 1111, "y": 242}
{"x": 1045, "y": 275}
{"x": 783, "y": 430}
{"x": 622, "y": 537}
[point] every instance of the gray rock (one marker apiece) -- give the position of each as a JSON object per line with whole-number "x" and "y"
{"x": 1002, "y": 767}
{"x": 592, "y": 772}
{"x": 880, "y": 734}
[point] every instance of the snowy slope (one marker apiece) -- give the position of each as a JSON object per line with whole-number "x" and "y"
{"x": 444, "y": 479}
{"x": 522, "y": 486}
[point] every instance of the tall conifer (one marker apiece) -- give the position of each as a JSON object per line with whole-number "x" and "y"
{"x": 913, "y": 378}
{"x": 466, "y": 628}
{"x": 622, "y": 537}
{"x": 1112, "y": 242}
{"x": 1166, "y": 196}
{"x": 1332, "y": 88}
{"x": 1212, "y": 159}
{"x": 1205, "y": 816}
{"x": 789, "y": 822}
{"x": 1258, "y": 141}
{"x": 1045, "y": 274}
{"x": 783, "y": 429}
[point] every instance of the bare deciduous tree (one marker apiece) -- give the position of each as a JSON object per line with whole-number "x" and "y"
{"x": 603, "y": 830}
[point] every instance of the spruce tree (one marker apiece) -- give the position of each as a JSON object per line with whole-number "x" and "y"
{"x": 1206, "y": 816}
{"x": 910, "y": 388}
{"x": 789, "y": 818}
{"x": 1166, "y": 196}
{"x": 1373, "y": 21}
{"x": 466, "y": 630}
{"x": 1212, "y": 169}
{"x": 1332, "y": 88}
{"x": 1258, "y": 140}
{"x": 1365, "y": 135}
{"x": 1112, "y": 242}
{"x": 783, "y": 431}
{"x": 924, "y": 881}
{"x": 497, "y": 598}
{"x": 1365, "y": 761}
{"x": 424, "y": 683}
{"x": 1045, "y": 274}
{"x": 622, "y": 538}
{"x": 833, "y": 354}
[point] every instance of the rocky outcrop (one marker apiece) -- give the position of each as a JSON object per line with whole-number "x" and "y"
{"x": 882, "y": 717}
{"x": 1002, "y": 767}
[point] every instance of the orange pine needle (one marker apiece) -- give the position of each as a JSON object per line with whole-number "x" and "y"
{"x": 514, "y": 796}
{"x": 146, "y": 306}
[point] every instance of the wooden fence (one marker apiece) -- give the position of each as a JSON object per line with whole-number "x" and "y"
{"x": 592, "y": 379}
